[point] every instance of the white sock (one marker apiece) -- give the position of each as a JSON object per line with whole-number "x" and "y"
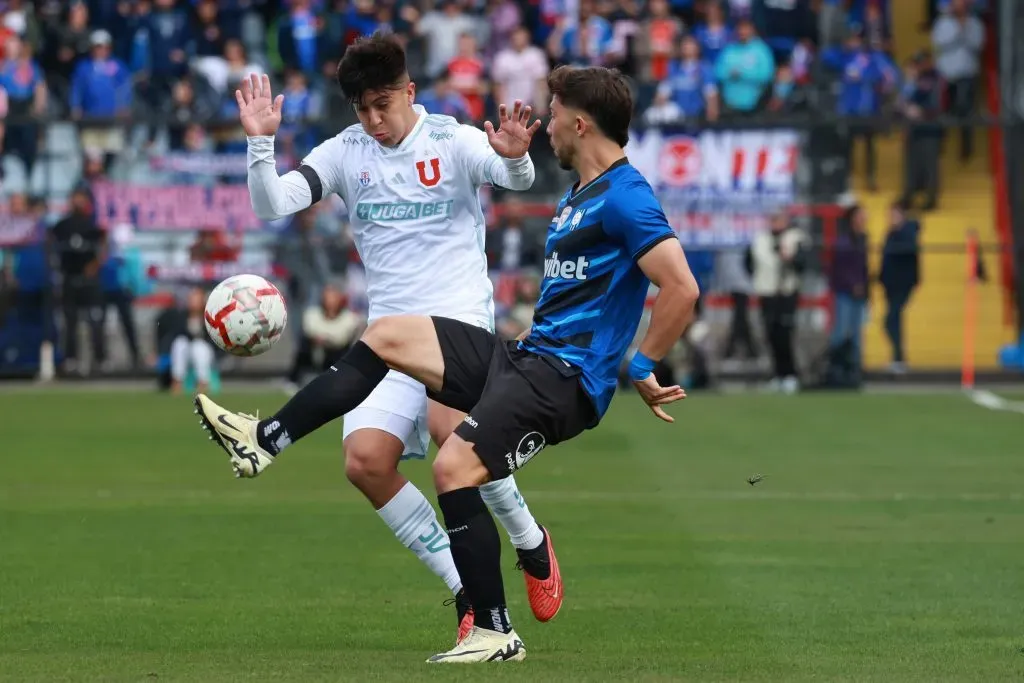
{"x": 509, "y": 506}
{"x": 413, "y": 520}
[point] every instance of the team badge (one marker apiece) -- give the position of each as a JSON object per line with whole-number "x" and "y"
{"x": 429, "y": 177}
{"x": 576, "y": 219}
{"x": 564, "y": 216}
{"x": 364, "y": 178}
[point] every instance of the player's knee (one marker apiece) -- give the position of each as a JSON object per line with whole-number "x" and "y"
{"x": 363, "y": 466}
{"x": 458, "y": 466}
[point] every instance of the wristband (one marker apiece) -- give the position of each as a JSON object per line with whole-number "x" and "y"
{"x": 640, "y": 367}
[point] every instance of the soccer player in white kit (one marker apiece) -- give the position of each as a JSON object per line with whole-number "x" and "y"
{"x": 410, "y": 181}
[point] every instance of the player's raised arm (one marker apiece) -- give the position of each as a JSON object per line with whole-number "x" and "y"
{"x": 272, "y": 196}
{"x": 501, "y": 156}
{"x": 647, "y": 235}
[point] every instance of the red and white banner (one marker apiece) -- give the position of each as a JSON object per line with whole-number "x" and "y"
{"x": 718, "y": 186}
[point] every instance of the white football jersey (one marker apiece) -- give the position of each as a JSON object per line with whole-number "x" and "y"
{"x": 416, "y": 216}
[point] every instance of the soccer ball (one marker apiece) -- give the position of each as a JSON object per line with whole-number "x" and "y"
{"x": 245, "y": 315}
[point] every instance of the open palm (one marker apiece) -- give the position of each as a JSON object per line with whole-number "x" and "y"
{"x": 656, "y": 396}
{"x": 258, "y": 110}
{"x": 512, "y": 139}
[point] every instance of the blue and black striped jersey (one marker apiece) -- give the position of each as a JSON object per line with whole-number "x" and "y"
{"x": 593, "y": 291}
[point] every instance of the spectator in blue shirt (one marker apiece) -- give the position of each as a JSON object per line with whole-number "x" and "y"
{"x": 101, "y": 85}
{"x": 22, "y": 79}
{"x": 745, "y": 69}
{"x": 713, "y": 35}
{"x": 32, "y": 276}
{"x": 587, "y": 43}
{"x": 298, "y": 37}
{"x": 691, "y": 85}
{"x": 441, "y": 99}
{"x": 866, "y": 77}
{"x": 163, "y": 44}
{"x": 300, "y": 105}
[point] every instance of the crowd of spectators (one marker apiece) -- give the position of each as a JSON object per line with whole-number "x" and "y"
{"x": 691, "y": 60}
{"x": 170, "y": 66}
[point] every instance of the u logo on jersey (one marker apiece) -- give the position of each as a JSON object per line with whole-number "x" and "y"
{"x": 435, "y": 172}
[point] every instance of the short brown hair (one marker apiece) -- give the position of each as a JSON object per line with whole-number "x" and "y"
{"x": 603, "y": 94}
{"x": 374, "y": 62}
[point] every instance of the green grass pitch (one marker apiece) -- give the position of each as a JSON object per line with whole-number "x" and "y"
{"x": 885, "y": 543}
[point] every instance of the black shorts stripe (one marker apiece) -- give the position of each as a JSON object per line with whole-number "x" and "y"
{"x": 316, "y": 187}
{"x": 586, "y": 290}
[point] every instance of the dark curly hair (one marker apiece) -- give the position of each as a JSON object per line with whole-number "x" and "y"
{"x": 375, "y": 62}
{"x": 603, "y": 94}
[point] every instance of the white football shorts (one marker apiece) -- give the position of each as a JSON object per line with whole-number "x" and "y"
{"x": 398, "y": 406}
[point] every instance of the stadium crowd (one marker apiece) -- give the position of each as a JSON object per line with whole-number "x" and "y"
{"x": 692, "y": 60}
{"x": 152, "y": 82}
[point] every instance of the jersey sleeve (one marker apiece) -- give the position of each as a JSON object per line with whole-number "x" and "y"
{"x": 485, "y": 167}
{"x": 324, "y": 167}
{"x": 635, "y": 218}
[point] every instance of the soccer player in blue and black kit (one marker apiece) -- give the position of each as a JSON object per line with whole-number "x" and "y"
{"x": 607, "y": 243}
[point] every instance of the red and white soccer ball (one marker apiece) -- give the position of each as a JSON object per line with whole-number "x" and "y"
{"x": 245, "y": 315}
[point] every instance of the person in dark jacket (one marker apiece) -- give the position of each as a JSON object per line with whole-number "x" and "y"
{"x": 80, "y": 245}
{"x": 849, "y": 283}
{"x": 899, "y": 276}
{"x": 921, "y": 103}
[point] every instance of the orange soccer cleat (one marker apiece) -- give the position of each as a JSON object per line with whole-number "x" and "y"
{"x": 543, "y": 579}
{"x": 464, "y": 613}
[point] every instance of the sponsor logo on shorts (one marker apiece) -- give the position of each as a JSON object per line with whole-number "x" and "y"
{"x": 471, "y": 422}
{"x": 529, "y": 446}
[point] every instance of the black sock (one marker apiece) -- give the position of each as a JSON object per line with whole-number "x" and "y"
{"x": 476, "y": 549}
{"x": 536, "y": 561}
{"x": 329, "y": 396}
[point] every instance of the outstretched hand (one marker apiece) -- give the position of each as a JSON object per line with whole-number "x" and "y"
{"x": 656, "y": 396}
{"x": 258, "y": 110}
{"x": 512, "y": 138}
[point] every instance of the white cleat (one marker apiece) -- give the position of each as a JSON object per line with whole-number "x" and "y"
{"x": 482, "y": 645}
{"x": 236, "y": 434}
